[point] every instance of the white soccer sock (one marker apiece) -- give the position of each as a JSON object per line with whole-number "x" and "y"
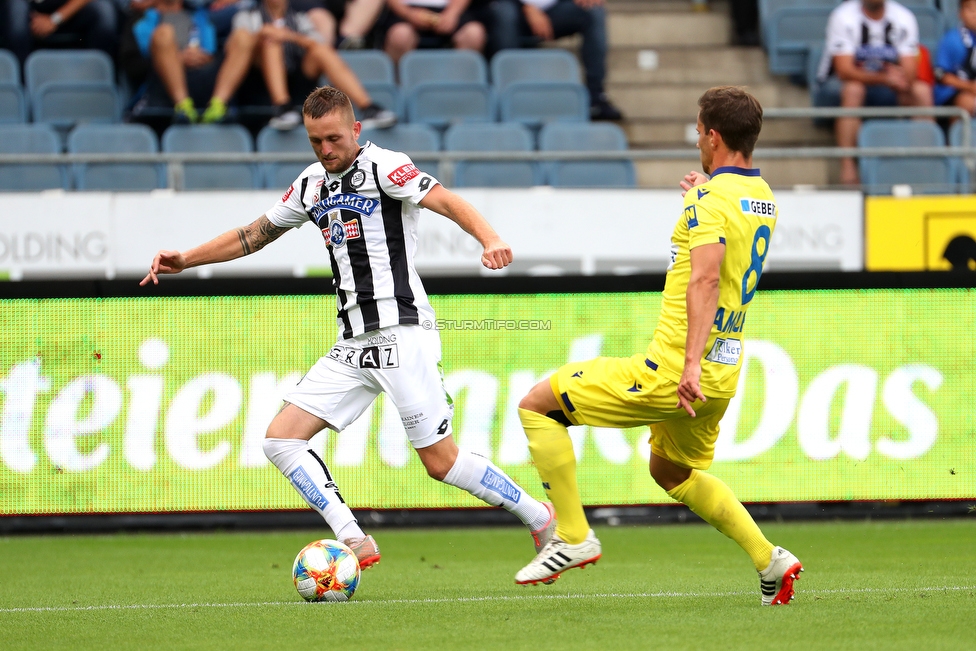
{"x": 490, "y": 484}
{"x": 310, "y": 477}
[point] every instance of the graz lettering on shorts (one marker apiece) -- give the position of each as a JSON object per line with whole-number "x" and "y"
{"x": 300, "y": 479}
{"x": 758, "y": 207}
{"x": 725, "y": 351}
{"x": 413, "y": 421}
{"x": 499, "y": 484}
{"x": 369, "y": 357}
{"x": 355, "y": 202}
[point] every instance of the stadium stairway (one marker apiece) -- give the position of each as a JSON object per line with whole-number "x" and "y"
{"x": 664, "y": 55}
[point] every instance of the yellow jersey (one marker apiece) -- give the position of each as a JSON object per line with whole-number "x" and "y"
{"x": 735, "y": 208}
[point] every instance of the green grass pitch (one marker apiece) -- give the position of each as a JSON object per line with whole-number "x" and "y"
{"x": 868, "y": 585}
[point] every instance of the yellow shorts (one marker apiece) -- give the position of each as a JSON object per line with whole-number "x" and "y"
{"x": 629, "y": 392}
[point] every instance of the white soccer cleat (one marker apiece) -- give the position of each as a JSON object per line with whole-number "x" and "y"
{"x": 557, "y": 557}
{"x": 776, "y": 581}
{"x": 541, "y": 537}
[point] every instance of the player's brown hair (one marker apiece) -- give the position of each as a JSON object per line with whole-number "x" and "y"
{"x": 735, "y": 114}
{"x": 324, "y": 100}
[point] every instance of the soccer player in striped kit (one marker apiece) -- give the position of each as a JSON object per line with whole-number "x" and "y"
{"x": 366, "y": 201}
{"x": 682, "y": 384}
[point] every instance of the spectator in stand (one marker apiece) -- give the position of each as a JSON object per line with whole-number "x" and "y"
{"x": 870, "y": 59}
{"x": 955, "y": 68}
{"x": 412, "y": 24}
{"x": 345, "y": 24}
{"x": 552, "y": 19}
{"x": 28, "y": 24}
{"x": 179, "y": 43}
{"x": 288, "y": 45}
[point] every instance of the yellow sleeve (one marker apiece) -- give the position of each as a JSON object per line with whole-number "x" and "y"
{"x": 705, "y": 226}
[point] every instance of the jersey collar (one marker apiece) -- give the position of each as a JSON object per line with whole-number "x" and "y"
{"x": 355, "y": 164}
{"x": 741, "y": 171}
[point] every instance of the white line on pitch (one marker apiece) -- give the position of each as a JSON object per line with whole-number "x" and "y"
{"x": 636, "y": 595}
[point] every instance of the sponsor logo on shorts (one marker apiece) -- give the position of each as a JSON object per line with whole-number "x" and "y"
{"x": 300, "y": 479}
{"x": 725, "y": 351}
{"x": 413, "y": 421}
{"x": 500, "y": 484}
{"x": 368, "y": 357}
{"x": 404, "y": 173}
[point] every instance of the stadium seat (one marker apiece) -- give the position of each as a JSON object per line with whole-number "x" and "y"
{"x": 44, "y": 66}
{"x": 926, "y": 175}
{"x": 769, "y": 7}
{"x": 791, "y": 32}
{"x": 442, "y": 103}
{"x": 536, "y": 103}
{"x": 280, "y": 175}
{"x": 385, "y": 94}
{"x": 410, "y": 138}
{"x": 593, "y": 136}
{"x": 493, "y": 137}
{"x": 961, "y": 173}
{"x": 9, "y": 68}
{"x": 66, "y": 103}
{"x": 371, "y": 66}
{"x": 26, "y": 177}
{"x": 211, "y": 138}
{"x": 13, "y": 106}
{"x": 931, "y": 27}
{"x": 116, "y": 138}
{"x": 950, "y": 11}
{"x": 550, "y": 64}
{"x": 425, "y": 66}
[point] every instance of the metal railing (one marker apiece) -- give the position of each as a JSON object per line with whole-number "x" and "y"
{"x": 445, "y": 159}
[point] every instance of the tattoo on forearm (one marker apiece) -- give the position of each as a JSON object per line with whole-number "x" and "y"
{"x": 242, "y": 234}
{"x": 257, "y": 235}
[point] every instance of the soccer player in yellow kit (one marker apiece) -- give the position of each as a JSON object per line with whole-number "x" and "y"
{"x": 682, "y": 385}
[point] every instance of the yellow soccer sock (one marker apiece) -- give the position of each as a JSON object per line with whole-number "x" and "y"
{"x": 714, "y": 502}
{"x": 552, "y": 451}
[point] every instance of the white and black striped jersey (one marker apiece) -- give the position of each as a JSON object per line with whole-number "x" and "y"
{"x": 368, "y": 217}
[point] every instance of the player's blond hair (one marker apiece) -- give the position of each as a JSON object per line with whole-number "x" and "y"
{"x": 325, "y": 100}
{"x": 735, "y": 114}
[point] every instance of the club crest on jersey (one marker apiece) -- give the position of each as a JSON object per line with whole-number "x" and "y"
{"x": 339, "y": 231}
{"x": 355, "y": 202}
{"x": 404, "y": 173}
{"x": 357, "y": 179}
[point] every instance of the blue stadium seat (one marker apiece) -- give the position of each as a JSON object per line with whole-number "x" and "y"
{"x": 592, "y": 136}
{"x": 961, "y": 173}
{"x": 537, "y": 103}
{"x": 493, "y": 137}
{"x": 9, "y": 68}
{"x": 950, "y": 11}
{"x": 926, "y": 175}
{"x": 43, "y": 66}
{"x": 931, "y": 27}
{"x": 790, "y": 33}
{"x": 386, "y": 95}
{"x": 66, "y": 103}
{"x": 371, "y": 66}
{"x": 13, "y": 105}
{"x": 814, "y": 54}
{"x": 442, "y": 103}
{"x": 116, "y": 138}
{"x": 211, "y": 138}
{"x": 281, "y": 175}
{"x": 549, "y": 64}
{"x": 410, "y": 138}
{"x": 31, "y": 139}
{"x": 425, "y": 66}
{"x": 769, "y": 7}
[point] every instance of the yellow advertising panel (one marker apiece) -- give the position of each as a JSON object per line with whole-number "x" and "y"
{"x": 920, "y": 233}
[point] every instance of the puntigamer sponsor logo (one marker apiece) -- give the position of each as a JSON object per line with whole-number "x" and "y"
{"x": 220, "y": 416}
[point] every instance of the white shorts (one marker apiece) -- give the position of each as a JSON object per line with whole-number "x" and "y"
{"x": 402, "y": 360}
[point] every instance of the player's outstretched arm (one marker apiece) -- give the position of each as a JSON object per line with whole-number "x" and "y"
{"x": 701, "y": 301}
{"x": 497, "y": 254}
{"x": 228, "y": 246}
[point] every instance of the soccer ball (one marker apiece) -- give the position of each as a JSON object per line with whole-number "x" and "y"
{"x": 326, "y": 570}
